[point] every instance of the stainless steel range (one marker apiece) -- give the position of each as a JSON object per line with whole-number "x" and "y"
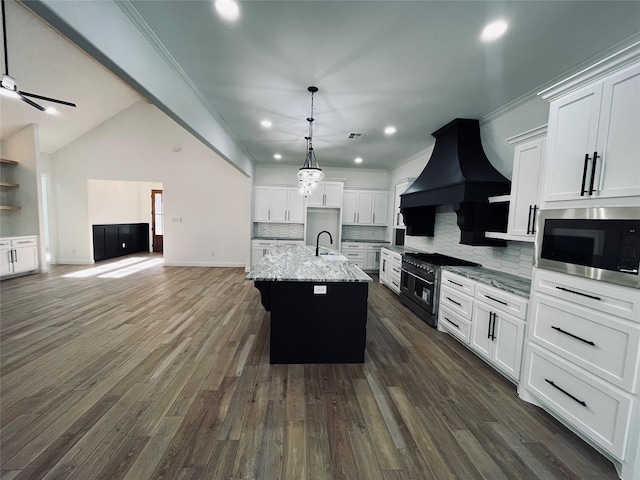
{"x": 420, "y": 282}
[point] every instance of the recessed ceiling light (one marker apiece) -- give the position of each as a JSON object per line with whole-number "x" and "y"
{"x": 51, "y": 111}
{"x": 228, "y": 9}
{"x": 390, "y": 130}
{"x": 277, "y": 156}
{"x": 358, "y": 160}
{"x": 266, "y": 123}
{"x": 8, "y": 93}
{"x": 494, "y": 30}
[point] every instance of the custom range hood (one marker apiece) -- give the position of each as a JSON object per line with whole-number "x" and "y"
{"x": 459, "y": 174}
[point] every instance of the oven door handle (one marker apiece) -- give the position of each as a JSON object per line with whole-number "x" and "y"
{"x": 416, "y": 276}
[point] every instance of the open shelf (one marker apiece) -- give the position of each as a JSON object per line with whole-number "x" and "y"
{"x": 9, "y": 185}
{"x": 8, "y": 162}
{"x": 9, "y": 207}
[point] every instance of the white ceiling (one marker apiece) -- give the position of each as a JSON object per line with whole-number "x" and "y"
{"x": 412, "y": 64}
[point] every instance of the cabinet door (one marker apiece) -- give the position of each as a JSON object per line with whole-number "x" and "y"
{"x": 333, "y": 195}
{"x": 316, "y": 199}
{"x": 524, "y": 189}
{"x": 262, "y": 203}
{"x": 364, "y": 214}
{"x": 296, "y": 206}
{"x": 619, "y": 136}
{"x": 278, "y": 204}
{"x": 384, "y": 266}
{"x": 508, "y": 344}
{"x": 481, "y": 329}
{"x": 256, "y": 255}
{"x": 371, "y": 259}
{"x": 380, "y": 208}
{"x": 6, "y": 265}
{"x": 349, "y": 207}
{"x": 573, "y": 125}
{"x": 25, "y": 259}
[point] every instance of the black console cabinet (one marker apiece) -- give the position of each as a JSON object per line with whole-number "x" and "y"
{"x": 115, "y": 240}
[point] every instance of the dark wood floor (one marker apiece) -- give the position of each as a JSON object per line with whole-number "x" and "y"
{"x": 165, "y": 374}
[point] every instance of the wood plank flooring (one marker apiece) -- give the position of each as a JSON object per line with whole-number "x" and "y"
{"x": 164, "y": 374}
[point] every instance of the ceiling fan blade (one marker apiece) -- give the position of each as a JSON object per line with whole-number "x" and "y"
{"x": 33, "y": 104}
{"x": 48, "y": 99}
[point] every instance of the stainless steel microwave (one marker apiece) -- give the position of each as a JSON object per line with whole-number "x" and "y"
{"x": 598, "y": 243}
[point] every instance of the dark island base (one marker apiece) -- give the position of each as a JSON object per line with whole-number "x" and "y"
{"x": 308, "y": 327}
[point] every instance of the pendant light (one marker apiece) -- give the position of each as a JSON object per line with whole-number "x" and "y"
{"x": 310, "y": 173}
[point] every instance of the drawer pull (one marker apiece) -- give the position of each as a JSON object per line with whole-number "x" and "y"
{"x": 573, "y": 336}
{"x": 496, "y": 300}
{"x": 455, "y": 283}
{"x": 565, "y": 392}
{"x": 453, "y": 301}
{"x": 578, "y": 293}
{"x": 452, "y": 323}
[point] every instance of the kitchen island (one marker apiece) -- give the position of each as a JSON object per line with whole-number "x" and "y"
{"x": 318, "y": 305}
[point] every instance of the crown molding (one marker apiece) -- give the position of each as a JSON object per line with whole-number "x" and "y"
{"x": 532, "y": 134}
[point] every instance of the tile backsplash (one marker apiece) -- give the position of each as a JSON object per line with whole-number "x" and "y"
{"x": 356, "y": 232}
{"x": 279, "y": 230}
{"x": 515, "y": 258}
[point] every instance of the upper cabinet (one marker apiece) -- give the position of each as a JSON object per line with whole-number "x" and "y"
{"x": 526, "y": 183}
{"x": 326, "y": 194}
{"x": 278, "y": 204}
{"x": 594, "y": 140}
{"x": 364, "y": 208}
{"x": 398, "y": 189}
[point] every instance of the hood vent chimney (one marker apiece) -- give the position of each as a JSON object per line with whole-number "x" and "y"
{"x": 459, "y": 174}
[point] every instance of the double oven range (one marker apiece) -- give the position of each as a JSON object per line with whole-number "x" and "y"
{"x": 420, "y": 282}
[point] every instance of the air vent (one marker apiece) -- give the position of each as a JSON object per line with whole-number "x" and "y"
{"x": 357, "y": 136}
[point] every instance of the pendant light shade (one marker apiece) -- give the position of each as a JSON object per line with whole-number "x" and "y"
{"x": 310, "y": 173}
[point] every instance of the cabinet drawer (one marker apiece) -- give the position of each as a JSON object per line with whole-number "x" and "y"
{"x": 354, "y": 255}
{"x": 456, "y": 302}
{"x": 454, "y": 324}
{"x": 600, "y": 343}
{"x": 263, "y": 243}
{"x": 599, "y": 411}
{"x": 394, "y": 283}
{"x": 501, "y": 300}
{"x": 395, "y": 269}
{"x": 5, "y": 243}
{"x": 458, "y": 283}
{"x": 23, "y": 242}
{"x": 608, "y": 298}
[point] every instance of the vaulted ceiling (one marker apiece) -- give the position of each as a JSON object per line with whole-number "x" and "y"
{"x": 411, "y": 64}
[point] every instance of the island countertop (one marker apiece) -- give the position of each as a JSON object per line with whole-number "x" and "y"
{"x": 298, "y": 263}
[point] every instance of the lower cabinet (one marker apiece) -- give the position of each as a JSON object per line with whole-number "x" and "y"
{"x": 498, "y": 337}
{"x": 582, "y": 362}
{"x": 489, "y": 320}
{"x": 390, "y": 267}
{"x": 18, "y": 255}
{"x": 115, "y": 240}
{"x": 364, "y": 255}
{"x": 259, "y": 248}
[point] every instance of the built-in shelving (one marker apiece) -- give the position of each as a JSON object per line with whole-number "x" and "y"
{"x": 8, "y": 185}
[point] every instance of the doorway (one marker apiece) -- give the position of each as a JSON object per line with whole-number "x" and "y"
{"x": 157, "y": 221}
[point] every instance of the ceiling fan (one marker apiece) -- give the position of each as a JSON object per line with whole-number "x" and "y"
{"x": 8, "y": 82}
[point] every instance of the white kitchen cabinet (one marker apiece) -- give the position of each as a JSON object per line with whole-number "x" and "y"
{"x": 380, "y": 205}
{"x": 499, "y": 337}
{"x": 260, "y": 248}
{"x": 526, "y": 184}
{"x": 398, "y": 189}
{"x": 582, "y": 360}
{"x": 295, "y": 206}
{"x": 326, "y": 194}
{"x": 390, "y": 269}
{"x": 364, "y": 207}
{"x": 487, "y": 319}
{"x": 278, "y": 204}
{"x": 365, "y": 255}
{"x": 371, "y": 258}
{"x": 18, "y": 255}
{"x": 594, "y": 140}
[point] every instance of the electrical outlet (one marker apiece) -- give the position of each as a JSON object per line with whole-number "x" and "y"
{"x": 212, "y": 254}
{"x": 73, "y": 250}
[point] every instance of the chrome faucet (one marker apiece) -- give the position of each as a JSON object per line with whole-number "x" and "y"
{"x": 318, "y": 240}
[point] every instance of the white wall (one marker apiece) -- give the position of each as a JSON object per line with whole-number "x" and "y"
{"x": 355, "y": 178}
{"x": 206, "y": 200}
{"x": 112, "y": 201}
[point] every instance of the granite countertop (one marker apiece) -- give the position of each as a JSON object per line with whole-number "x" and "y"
{"x": 298, "y": 263}
{"x": 279, "y": 238}
{"x": 401, "y": 249}
{"x": 381, "y": 242}
{"x": 504, "y": 281}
